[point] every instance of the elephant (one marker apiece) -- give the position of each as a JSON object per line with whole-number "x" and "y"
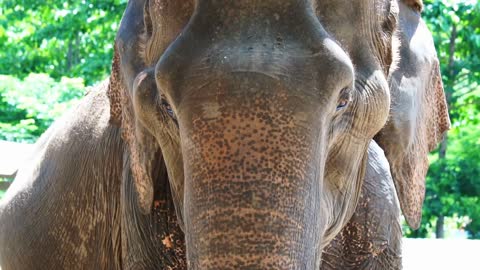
{"x": 372, "y": 238}
{"x": 238, "y": 135}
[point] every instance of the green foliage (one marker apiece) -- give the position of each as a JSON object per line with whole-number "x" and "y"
{"x": 61, "y": 38}
{"x": 29, "y": 107}
{"x": 453, "y": 187}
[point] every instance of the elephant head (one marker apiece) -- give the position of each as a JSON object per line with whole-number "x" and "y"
{"x": 419, "y": 113}
{"x": 262, "y": 112}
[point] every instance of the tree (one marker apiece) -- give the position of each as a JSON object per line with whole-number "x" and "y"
{"x": 29, "y": 107}
{"x": 72, "y": 38}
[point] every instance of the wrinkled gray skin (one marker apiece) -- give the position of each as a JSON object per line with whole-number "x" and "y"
{"x": 242, "y": 146}
{"x": 62, "y": 211}
{"x": 372, "y": 238}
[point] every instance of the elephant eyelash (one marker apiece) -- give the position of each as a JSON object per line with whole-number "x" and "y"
{"x": 344, "y": 99}
{"x": 342, "y": 104}
{"x": 168, "y": 108}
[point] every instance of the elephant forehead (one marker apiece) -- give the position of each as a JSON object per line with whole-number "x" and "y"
{"x": 364, "y": 28}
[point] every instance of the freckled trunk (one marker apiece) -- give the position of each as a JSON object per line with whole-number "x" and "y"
{"x": 252, "y": 200}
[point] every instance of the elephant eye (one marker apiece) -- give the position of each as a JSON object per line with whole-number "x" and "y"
{"x": 342, "y": 104}
{"x": 344, "y": 99}
{"x": 168, "y": 108}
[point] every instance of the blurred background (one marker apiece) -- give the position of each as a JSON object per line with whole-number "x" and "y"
{"x": 51, "y": 52}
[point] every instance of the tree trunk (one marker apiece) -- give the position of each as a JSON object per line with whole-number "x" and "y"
{"x": 73, "y": 57}
{"x": 439, "y": 231}
{"x": 69, "y": 56}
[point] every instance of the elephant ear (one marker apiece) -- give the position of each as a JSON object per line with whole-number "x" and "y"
{"x": 142, "y": 38}
{"x": 142, "y": 150}
{"x": 114, "y": 91}
{"x": 418, "y": 114}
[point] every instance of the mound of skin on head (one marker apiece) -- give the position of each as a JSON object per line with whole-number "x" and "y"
{"x": 415, "y": 4}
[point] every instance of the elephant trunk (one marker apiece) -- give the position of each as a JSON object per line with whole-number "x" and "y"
{"x": 247, "y": 82}
{"x": 252, "y": 186}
